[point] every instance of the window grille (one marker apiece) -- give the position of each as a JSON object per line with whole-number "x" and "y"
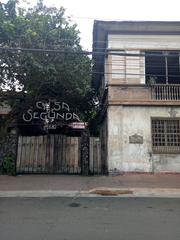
{"x": 166, "y": 135}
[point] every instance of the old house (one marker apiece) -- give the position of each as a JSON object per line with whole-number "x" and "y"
{"x": 136, "y": 75}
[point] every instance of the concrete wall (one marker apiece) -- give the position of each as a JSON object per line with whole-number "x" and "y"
{"x": 103, "y": 139}
{"x": 125, "y": 121}
{"x": 143, "y": 42}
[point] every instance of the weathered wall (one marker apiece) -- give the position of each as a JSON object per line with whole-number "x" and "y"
{"x": 143, "y": 42}
{"x": 125, "y": 121}
{"x": 131, "y": 69}
{"x": 103, "y": 139}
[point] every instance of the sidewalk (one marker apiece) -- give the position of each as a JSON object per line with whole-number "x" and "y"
{"x": 63, "y": 185}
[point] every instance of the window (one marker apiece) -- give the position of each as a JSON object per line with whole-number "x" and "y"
{"x": 166, "y": 135}
{"x": 163, "y": 66}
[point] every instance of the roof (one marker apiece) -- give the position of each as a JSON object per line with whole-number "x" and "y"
{"x": 102, "y": 28}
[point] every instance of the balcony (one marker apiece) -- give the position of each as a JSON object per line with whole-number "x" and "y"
{"x": 142, "y": 94}
{"x": 165, "y": 92}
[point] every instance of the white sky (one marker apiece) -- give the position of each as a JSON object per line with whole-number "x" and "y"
{"x": 84, "y": 12}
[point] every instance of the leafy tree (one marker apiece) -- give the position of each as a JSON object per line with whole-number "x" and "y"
{"x": 39, "y": 75}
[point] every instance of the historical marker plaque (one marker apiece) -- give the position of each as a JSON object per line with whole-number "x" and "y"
{"x": 136, "y": 139}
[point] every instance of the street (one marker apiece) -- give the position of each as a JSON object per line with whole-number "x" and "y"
{"x": 89, "y": 218}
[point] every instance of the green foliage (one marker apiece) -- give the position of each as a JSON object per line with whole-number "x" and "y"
{"x": 64, "y": 77}
{"x": 3, "y": 127}
{"x": 8, "y": 167}
{"x": 151, "y": 80}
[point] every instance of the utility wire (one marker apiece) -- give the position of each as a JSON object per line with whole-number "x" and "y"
{"x": 119, "y": 66}
{"x": 134, "y": 74}
{"x": 41, "y": 50}
{"x": 64, "y": 40}
{"x": 124, "y": 73}
{"x": 136, "y": 65}
{"x": 112, "y": 52}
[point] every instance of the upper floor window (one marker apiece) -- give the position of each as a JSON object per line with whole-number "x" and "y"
{"x": 163, "y": 67}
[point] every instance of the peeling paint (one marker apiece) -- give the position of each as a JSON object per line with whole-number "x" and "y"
{"x": 124, "y": 156}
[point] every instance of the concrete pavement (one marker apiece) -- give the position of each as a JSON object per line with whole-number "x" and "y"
{"x": 129, "y": 185}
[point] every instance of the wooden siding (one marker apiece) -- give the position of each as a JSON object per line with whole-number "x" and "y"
{"x": 48, "y": 154}
{"x": 56, "y": 154}
{"x": 95, "y": 160}
{"x": 118, "y": 68}
{"x": 126, "y": 69}
{"x": 132, "y": 68}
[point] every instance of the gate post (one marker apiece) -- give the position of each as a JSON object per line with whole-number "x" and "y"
{"x": 85, "y": 152}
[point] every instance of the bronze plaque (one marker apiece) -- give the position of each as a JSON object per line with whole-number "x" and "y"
{"x": 136, "y": 139}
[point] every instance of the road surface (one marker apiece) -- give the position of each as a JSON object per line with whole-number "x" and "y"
{"x": 89, "y": 218}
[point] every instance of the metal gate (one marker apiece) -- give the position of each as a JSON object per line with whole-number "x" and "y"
{"x": 59, "y": 154}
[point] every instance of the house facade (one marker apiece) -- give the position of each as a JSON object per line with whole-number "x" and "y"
{"x": 136, "y": 76}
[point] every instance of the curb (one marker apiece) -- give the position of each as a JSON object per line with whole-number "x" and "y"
{"x": 123, "y": 193}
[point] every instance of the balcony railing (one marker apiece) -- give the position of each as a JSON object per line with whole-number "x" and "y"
{"x": 142, "y": 94}
{"x": 165, "y": 92}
